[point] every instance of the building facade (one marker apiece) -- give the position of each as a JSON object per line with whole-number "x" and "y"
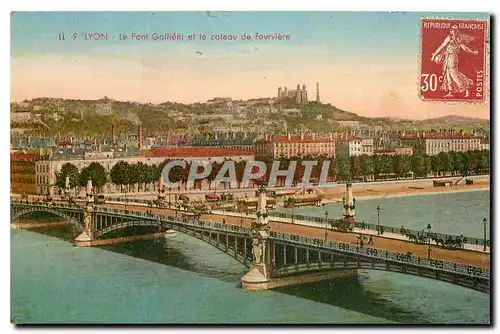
{"x": 367, "y": 146}
{"x": 45, "y": 171}
{"x": 348, "y": 147}
{"x": 294, "y": 146}
{"x": 298, "y": 95}
{"x": 22, "y": 172}
{"x": 433, "y": 143}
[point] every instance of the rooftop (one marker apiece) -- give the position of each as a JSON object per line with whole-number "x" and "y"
{"x": 296, "y": 139}
{"x": 437, "y": 135}
{"x": 197, "y": 152}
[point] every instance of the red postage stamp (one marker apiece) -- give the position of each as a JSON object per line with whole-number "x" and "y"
{"x": 453, "y": 60}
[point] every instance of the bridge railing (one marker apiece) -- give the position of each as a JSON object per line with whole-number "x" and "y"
{"x": 44, "y": 204}
{"x": 344, "y": 247}
{"x": 383, "y": 254}
{"x": 194, "y": 222}
{"x": 374, "y": 227}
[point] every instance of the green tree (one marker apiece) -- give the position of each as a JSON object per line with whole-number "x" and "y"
{"x": 213, "y": 173}
{"x": 68, "y": 169}
{"x": 143, "y": 175}
{"x": 342, "y": 169}
{"x": 355, "y": 167}
{"x": 96, "y": 172}
{"x": 485, "y": 158}
{"x": 454, "y": 162}
{"x": 118, "y": 173}
{"x": 402, "y": 165}
{"x": 366, "y": 167}
{"x": 133, "y": 175}
{"x": 240, "y": 171}
{"x": 443, "y": 163}
{"x": 434, "y": 165}
{"x": 417, "y": 162}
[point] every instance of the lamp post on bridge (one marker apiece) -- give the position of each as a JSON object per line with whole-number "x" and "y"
{"x": 378, "y": 220}
{"x": 484, "y": 242}
{"x": 429, "y": 241}
{"x": 326, "y": 224}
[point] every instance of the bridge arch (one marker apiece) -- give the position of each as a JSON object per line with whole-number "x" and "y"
{"x": 25, "y": 211}
{"x": 208, "y": 236}
{"x": 377, "y": 265}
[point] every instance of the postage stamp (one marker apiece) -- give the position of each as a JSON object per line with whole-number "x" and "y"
{"x": 453, "y": 60}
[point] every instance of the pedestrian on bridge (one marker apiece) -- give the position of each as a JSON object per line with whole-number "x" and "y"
{"x": 370, "y": 242}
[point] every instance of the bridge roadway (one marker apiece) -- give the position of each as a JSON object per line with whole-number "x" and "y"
{"x": 481, "y": 260}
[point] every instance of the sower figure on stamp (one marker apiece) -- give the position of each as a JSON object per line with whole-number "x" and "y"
{"x": 447, "y": 53}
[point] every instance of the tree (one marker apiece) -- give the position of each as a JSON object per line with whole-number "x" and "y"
{"x": 443, "y": 162}
{"x": 118, "y": 173}
{"x": 152, "y": 175}
{"x": 143, "y": 174}
{"x": 175, "y": 175}
{"x": 454, "y": 162}
{"x": 213, "y": 173}
{"x": 485, "y": 161}
{"x": 68, "y": 169}
{"x": 342, "y": 169}
{"x": 434, "y": 164}
{"x": 133, "y": 175}
{"x": 463, "y": 163}
{"x": 96, "y": 172}
{"x": 417, "y": 163}
{"x": 366, "y": 167}
{"x": 240, "y": 171}
{"x": 402, "y": 165}
{"x": 354, "y": 167}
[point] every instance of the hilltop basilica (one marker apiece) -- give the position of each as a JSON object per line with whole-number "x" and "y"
{"x": 298, "y": 95}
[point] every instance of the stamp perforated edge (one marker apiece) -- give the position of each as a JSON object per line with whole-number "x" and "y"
{"x": 487, "y": 46}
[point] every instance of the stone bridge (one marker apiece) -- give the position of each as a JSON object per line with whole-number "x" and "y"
{"x": 275, "y": 259}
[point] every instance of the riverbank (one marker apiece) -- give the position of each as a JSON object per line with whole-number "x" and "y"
{"x": 361, "y": 190}
{"x": 415, "y": 188}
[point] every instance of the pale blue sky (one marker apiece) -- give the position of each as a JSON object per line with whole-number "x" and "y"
{"x": 347, "y": 32}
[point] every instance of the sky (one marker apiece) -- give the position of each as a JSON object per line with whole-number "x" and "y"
{"x": 365, "y": 62}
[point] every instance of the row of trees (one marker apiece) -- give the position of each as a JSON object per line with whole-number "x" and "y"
{"x": 418, "y": 165}
{"x": 362, "y": 167}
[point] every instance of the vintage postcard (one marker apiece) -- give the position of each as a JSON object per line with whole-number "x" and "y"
{"x": 217, "y": 167}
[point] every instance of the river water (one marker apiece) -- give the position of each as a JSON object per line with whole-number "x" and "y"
{"x": 184, "y": 280}
{"x": 450, "y": 213}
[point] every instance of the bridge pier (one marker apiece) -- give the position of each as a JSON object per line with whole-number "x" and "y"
{"x": 259, "y": 275}
{"x": 85, "y": 239}
{"x": 260, "y": 269}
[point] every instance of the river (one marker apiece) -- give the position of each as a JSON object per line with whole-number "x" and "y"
{"x": 184, "y": 280}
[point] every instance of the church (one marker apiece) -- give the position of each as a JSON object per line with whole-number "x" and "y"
{"x": 298, "y": 95}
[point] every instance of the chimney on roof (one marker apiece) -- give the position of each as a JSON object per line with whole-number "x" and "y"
{"x": 139, "y": 137}
{"x": 113, "y": 136}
